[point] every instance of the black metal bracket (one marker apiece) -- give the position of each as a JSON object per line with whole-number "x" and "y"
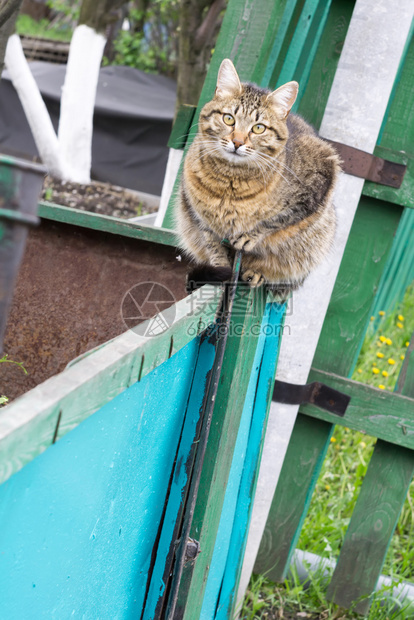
{"x": 315, "y": 393}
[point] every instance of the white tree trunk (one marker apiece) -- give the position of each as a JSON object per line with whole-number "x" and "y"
{"x": 68, "y": 155}
{"x": 78, "y": 101}
{"x": 34, "y": 107}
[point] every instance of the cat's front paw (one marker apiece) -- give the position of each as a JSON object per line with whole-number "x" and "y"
{"x": 244, "y": 242}
{"x": 254, "y": 278}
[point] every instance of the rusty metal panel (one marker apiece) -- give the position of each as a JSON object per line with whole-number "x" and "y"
{"x": 367, "y": 166}
{"x": 69, "y": 294}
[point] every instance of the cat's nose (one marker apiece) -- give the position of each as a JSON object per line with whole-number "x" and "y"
{"x": 237, "y": 143}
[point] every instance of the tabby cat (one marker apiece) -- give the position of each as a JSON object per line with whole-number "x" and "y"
{"x": 261, "y": 179}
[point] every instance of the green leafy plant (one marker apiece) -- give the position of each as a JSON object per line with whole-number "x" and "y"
{"x": 27, "y": 26}
{"x": 5, "y": 360}
{"x": 64, "y": 17}
{"x": 48, "y": 195}
{"x": 151, "y": 43}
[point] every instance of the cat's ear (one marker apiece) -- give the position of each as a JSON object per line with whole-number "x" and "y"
{"x": 284, "y": 97}
{"x": 228, "y": 83}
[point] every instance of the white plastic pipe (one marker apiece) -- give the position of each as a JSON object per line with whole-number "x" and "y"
{"x": 304, "y": 563}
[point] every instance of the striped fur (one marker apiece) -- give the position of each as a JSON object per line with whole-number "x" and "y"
{"x": 268, "y": 193}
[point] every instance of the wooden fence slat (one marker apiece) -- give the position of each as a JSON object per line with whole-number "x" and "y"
{"x": 378, "y": 413}
{"x": 240, "y": 351}
{"x": 398, "y": 133}
{"x": 315, "y": 96}
{"x": 107, "y": 223}
{"x": 374, "y": 518}
{"x": 304, "y": 41}
{"x": 304, "y": 458}
{"x": 369, "y": 245}
{"x": 348, "y": 314}
{"x": 261, "y": 390}
{"x": 372, "y": 525}
{"x": 286, "y": 22}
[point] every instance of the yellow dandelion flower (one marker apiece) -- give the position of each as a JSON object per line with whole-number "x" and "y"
{"x": 327, "y": 487}
{"x": 388, "y": 341}
{"x": 407, "y": 344}
{"x": 375, "y": 371}
{"x": 362, "y": 444}
{"x": 333, "y": 439}
{"x": 381, "y": 312}
{"x": 372, "y": 318}
{"x": 391, "y": 361}
{"x": 400, "y": 317}
{"x": 400, "y": 325}
{"x": 383, "y": 339}
{"x": 381, "y": 387}
{"x": 374, "y": 363}
{"x": 402, "y": 357}
{"x": 379, "y": 354}
{"x": 384, "y": 373}
{"x": 359, "y": 371}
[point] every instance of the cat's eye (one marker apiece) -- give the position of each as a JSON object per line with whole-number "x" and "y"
{"x": 228, "y": 119}
{"x": 259, "y": 128}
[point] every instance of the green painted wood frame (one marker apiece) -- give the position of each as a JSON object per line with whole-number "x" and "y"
{"x": 40, "y": 417}
{"x": 371, "y": 240}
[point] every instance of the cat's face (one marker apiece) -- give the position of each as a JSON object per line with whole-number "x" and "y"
{"x": 244, "y": 124}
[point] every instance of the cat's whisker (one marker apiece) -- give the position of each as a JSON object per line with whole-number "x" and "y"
{"x": 263, "y": 173}
{"x": 271, "y": 166}
{"x": 280, "y": 163}
{"x": 209, "y": 150}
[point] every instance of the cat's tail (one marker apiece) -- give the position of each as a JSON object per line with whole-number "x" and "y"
{"x": 206, "y": 274}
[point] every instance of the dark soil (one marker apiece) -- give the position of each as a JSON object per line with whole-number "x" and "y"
{"x": 97, "y": 197}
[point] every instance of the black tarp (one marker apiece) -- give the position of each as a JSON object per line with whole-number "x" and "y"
{"x": 132, "y": 123}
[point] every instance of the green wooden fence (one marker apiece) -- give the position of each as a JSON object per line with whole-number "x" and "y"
{"x": 303, "y": 41}
{"x": 378, "y": 232}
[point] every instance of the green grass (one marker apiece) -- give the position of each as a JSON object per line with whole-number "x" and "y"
{"x": 337, "y": 491}
{"x": 385, "y": 344}
{"x": 26, "y": 25}
{"x": 290, "y": 600}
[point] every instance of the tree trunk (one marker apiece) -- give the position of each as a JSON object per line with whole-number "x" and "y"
{"x": 98, "y": 14}
{"x": 9, "y": 10}
{"x": 199, "y": 23}
{"x": 78, "y": 102}
{"x": 142, "y": 7}
{"x": 34, "y": 107}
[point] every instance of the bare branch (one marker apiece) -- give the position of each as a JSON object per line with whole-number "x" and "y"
{"x": 7, "y": 10}
{"x": 206, "y": 29}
